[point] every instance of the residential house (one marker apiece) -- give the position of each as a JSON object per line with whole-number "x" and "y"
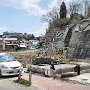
{"x": 28, "y": 43}
{"x": 8, "y": 43}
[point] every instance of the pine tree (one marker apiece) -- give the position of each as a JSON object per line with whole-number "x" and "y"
{"x": 63, "y": 10}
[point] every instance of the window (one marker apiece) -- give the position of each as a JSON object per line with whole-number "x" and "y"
{"x": 7, "y": 58}
{"x": 27, "y": 43}
{"x": 10, "y": 42}
{"x": 21, "y": 41}
{"x": 14, "y": 42}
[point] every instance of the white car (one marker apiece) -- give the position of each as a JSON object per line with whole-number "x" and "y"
{"x": 9, "y": 65}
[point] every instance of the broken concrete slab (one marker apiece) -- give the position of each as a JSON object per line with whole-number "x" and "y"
{"x": 83, "y": 78}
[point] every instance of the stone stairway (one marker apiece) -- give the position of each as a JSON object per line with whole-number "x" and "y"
{"x": 68, "y": 35}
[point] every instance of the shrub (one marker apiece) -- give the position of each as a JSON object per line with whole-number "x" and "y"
{"x": 22, "y": 81}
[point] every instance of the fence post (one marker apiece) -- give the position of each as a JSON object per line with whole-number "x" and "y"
{"x": 30, "y": 78}
{"x": 19, "y": 77}
{"x": 77, "y": 69}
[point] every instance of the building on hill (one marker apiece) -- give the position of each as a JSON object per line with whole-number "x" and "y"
{"x": 11, "y": 34}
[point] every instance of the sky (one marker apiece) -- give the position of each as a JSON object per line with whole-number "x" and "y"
{"x": 24, "y": 16}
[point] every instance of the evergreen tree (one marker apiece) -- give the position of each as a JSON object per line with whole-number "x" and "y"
{"x": 63, "y": 10}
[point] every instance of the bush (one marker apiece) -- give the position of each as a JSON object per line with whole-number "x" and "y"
{"x": 61, "y": 22}
{"x": 22, "y": 81}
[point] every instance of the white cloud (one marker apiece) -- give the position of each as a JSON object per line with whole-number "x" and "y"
{"x": 55, "y": 3}
{"x": 30, "y": 6}
{"x": 36, "y": 10}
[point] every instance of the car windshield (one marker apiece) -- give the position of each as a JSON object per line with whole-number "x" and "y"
{"x": 7, "y": 58}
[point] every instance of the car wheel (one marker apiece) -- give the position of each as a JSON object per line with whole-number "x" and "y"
{"x": 0, "y": 73}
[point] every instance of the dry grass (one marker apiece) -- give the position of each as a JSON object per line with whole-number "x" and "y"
{"x": 24, "y": 56}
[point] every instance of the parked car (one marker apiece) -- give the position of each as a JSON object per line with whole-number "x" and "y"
{"x": 9, "y": 65}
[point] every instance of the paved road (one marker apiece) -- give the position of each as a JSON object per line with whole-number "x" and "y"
{"x": 6, "y": 84}
{"x": 49, "y": 84}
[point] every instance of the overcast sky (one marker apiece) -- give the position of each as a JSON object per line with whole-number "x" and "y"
{"x": 24, "y": 15}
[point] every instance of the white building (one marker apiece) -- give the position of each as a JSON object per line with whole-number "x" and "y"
{"x": 29, "y": 44}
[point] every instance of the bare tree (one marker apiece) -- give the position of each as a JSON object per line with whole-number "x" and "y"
{"x": 75, "y": 7}
{"x": 86, "y": 4}
{"x": 51, "y": 15}
{"x": 88, "y": 10}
